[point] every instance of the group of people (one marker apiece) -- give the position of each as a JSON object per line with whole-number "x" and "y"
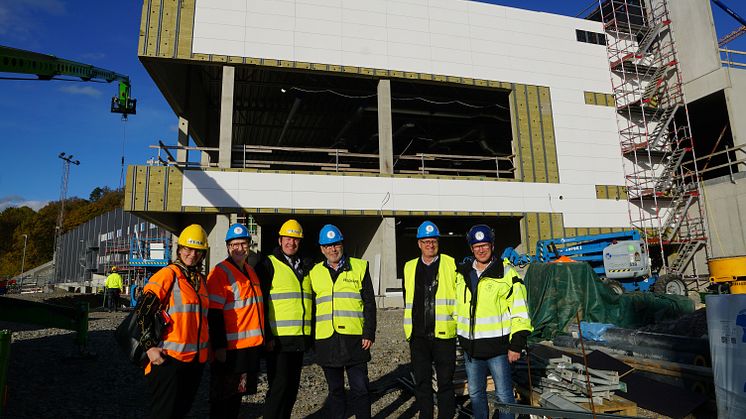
{"x": 287, "y": 305}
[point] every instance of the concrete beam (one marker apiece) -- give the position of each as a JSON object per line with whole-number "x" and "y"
{"x": 226, "y": 117}
{"x": 385, "y": 128}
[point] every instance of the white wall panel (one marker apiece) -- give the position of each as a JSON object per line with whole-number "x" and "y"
{"x": 270, "y": 190}
{"x": 221, "y": 31}
{"x": 235, "y": 5}
{"x": 450, "y": 37}
{"x": 270, "y": 21}
{"x": 221, "y": 47}
{"x": 270, "y": 36}
{"x": 220, "y": 16}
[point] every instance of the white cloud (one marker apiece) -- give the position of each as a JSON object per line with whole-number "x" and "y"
{"x": 93, "y": 56}
{"x": 81, "y": 90}
{"x": 19, "y": 19}
{"x": 19, "y": 201}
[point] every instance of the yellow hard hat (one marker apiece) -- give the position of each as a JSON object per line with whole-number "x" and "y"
{"x": 194, "y": 237}
{"x": 113, "y": 268}
{"x": 291, "y": 228}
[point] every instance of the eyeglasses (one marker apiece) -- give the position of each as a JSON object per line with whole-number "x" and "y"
{"x": 429, "y": 242}
{"x": 481, "y": 246}
{"x": 238, "y": 245}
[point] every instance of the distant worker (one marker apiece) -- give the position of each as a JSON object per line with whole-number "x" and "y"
{"x": 176, "y": 359}
{"x": 289, "y": 306}
{"x": 114, "y": 288}
{"x": 236, "y": 320}
{"x": 345, "y": 326}
{"x": 493, "y": 322}
{"x": 430, "y": 322}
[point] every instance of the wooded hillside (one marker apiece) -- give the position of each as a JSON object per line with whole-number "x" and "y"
{"x": 40, "y": 226}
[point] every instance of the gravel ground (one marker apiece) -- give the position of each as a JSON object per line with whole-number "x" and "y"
{"x": 46, "y": 378}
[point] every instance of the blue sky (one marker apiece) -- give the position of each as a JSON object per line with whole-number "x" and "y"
{"x": 40, "y": 119}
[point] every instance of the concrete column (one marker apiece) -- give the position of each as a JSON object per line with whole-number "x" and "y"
{"x": 182, "y": 156}
{"x": 385, "y": 238}
{"x": 385, "y": 129}
{"x": 226, "y": 117}
{"x": 381, "y": 254}
{"x": 216, "y": 240}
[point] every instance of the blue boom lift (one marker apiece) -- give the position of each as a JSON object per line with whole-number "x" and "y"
{"x": 619, "y": 259}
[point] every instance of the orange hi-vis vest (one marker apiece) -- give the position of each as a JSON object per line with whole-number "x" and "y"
{"x": 242, "y": 303}
{"x": 186, "y": 337}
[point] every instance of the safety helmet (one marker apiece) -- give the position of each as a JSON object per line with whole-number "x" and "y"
{"x": 291, "y": 228}
{"x": 114, "y": 269}
{"x": 193, "y": 237}
{"x": 330, "y": 234}
{"x": 480, "y": 233}
{"x": 427, "y": 229}
{"x": 237, "y": 231}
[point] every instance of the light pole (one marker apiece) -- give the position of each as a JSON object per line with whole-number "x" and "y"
{"x": 67, "y": 160}
{"x": 23, "y": 259}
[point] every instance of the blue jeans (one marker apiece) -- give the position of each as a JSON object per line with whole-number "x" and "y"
{"x": 476, "y": 374}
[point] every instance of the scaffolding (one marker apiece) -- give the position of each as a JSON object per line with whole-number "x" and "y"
{"x": 661, "y": 174}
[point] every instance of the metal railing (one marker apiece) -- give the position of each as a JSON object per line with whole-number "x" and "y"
{"x": 732, "y": 58}
{"x": 342, "y": 160}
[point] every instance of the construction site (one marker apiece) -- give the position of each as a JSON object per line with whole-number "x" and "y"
{"x": 610, "y": 141}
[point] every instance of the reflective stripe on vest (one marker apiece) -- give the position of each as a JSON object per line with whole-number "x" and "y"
{"x": 500, "y": 308}
{"x": 243, "y": 310}
{"x": 339, "y": 304}
{"x": 445, "y": 297}
{"x": 290, "y": 302}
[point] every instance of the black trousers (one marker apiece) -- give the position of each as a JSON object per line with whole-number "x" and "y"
{"x": 173, "y": 386}
{"x": 283, "y": 375}
{"x": 112, "y": 300}
{"x": 442, "y": 353}
{"x": 357, "y": 375}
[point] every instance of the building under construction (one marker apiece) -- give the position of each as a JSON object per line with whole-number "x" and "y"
{"x": 378, "y": 115}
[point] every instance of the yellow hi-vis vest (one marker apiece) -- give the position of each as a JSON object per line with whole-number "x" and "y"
{"x": 290, "y": 302}
{"x": 339, "y": 304}
{"x": 445, "y": 297}
{"x": 501, "y": 307}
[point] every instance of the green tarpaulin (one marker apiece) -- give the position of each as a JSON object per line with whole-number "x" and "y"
{"x": 556, "y": 291}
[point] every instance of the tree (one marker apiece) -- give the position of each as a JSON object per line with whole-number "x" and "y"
{"x": 99, "y": 193}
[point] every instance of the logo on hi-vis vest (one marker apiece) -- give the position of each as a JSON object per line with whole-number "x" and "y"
{"x": 351, "y": 281}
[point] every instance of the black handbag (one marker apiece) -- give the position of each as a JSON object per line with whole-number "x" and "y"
{"x": 129, "y": 333}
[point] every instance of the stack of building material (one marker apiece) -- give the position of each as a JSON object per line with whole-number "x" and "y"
{"x": 570, "y": 380}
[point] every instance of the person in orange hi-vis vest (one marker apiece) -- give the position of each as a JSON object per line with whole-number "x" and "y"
{"x": 236, "y": 319}
{"x": 177, "y": 296}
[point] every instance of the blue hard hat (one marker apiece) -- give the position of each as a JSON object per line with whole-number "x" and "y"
{"x": 330, "y": 234}
{"x": 237, "y": 231}
{"x": 480, "y": 233}
{"x": 427, "y": 229}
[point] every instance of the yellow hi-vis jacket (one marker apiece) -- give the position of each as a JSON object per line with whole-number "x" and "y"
{"x": 339, "y": 304}
{"x": 290, "y": 302}
{"x": 445, "y": 297}
{"x": 114, "y": 281}
{"x": 486, "y": 325}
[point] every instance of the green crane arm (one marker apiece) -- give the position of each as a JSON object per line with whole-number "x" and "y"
{"x": 46, "y": 67}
